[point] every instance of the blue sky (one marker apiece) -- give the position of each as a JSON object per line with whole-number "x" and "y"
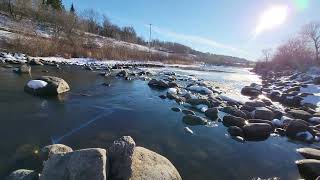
{"x": 220, "y": 27}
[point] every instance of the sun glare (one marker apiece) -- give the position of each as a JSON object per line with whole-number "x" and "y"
{"x": 271, "y": 18}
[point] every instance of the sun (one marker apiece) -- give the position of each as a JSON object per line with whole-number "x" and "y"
{"x": 271, "y": 18}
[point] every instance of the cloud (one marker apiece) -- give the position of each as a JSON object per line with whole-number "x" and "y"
{"x": 201, "y": 41}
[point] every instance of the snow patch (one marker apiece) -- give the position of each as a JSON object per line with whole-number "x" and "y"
{"x": 172, "y": 91}
{"x": 203, "y": 108}
{"x": 37, "y": 84}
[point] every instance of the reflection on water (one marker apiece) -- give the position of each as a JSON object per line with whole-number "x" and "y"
{"x": 132, "y": 108}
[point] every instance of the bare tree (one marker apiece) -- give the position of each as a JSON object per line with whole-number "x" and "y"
{"x": 311, "y": 32}
{"x": 267, "y": 54}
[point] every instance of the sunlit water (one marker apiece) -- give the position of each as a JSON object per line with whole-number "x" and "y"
{"x": 132, "y": 108}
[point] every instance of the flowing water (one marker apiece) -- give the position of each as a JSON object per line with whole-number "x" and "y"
{"x": 92, "y": 115}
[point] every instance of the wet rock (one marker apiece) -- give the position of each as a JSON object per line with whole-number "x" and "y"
{"x": 194, "y": 120}
{"x": 235, "y": 131}
{"x": 309, "y": 168}
{"x": 233, "y": 111}
{"x": 316, "y": 80}
{"x": 188, "y": 112}
{"x": 23, "y": 174}
{"x": 172, "y": 84}
{"x": 48, "y": 151}
{"x": 35, "y": 62}
{"x": 275, "y": 95}
{"x": 123, "y": 73}
{"x": 300, "y": 114}
{"x": 250, "y": 91}
{"x": 255, "y": 104}
{"x": 260, "y": 121}
{"x": 81, "y": 165}
{"x": 195, "y": 102}
{"x": 23, "y": 69}
{"x": 297, "y": 126}
{"x": 212, "y": 113}
{"x": 233, "y": 121}
{"x": 263, "y": 113}
{"x": 120, "y": 154}
{"x": 53, "y": 86}
{"x": 175, "y": 109}
{"x": 163, "y": 96}
{"x": 247, "y": 108}
{"x": 309, "y": 153}
{"x": 255, "y": 131}
{"x": 158, "y": 84}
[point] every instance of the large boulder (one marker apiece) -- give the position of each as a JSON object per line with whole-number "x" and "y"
{"x": 309, "y": 168}
{"x": 254, "y": 131}
{"x": 23, "y": 174}
{"x": 120, "y": 156}
{"x": 263, "y": 113}
{"x": 250, "y": 91}
{"x": 300, "y": 114}
{"x": 194, "y": 120}
{"x": 212, "y": 113}
{"x": 130, "y": 162}
{"x": 78, "y": 165}
{"x": 48, "y": 151}
{"x": 47, "y": 86}
{"x": 233, "y": 111}
{"x": 235, "y": 131}
{"x": 309, "y": 153}
{"x": 233, "y": 121}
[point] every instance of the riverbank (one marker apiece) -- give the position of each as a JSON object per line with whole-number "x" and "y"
{"x": 187, "y": 113}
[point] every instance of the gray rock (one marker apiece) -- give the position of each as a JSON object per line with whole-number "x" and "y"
{"x": 120, "y": 155}
{"x": 175, "y": 109}
{"x": 123, "y": 73}
{"x": 158, "y": 84}
{"x": 250, "y": 91}
{"x": 212, "y": 113}
{"x": 35, "y": 62}
{"x": 233, "y": 121}
{"x": 194, "y": 120}
{"x": 309, "y": 153}
{"x": 48, "y": 151}
{"x": 78, "y": 165}
{"x": 147, "y": 164}
{"x": 195, "y": 102}
{"x": 309, "y": 168}
{"x": 233, "y": 111}
{"x": 188, "y": 112}
{"x": 23, "y": 174}
{"x": 23, "y": 69}
{"x": 297, "y": 126}
{"x": 255, "y": 104}
{"x": 263, "y": 113}
{"x": 254, "y": 131}
{"x": 54, "y": 87}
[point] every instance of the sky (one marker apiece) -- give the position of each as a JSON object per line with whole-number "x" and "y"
{"x": 239, "y": 28}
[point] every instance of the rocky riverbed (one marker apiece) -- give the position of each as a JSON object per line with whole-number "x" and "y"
{"x": 280, "y": 107}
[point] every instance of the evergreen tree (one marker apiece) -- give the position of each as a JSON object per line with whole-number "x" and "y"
{"x": 55, "y": 4}
{"x": 72, "y": 10}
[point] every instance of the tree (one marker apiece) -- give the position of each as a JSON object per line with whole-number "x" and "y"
{"x": 311, "y": 32}
{"x": 55, "y": 4}
{"x": 266, "y": 54}
{"x": 72, "y": 10}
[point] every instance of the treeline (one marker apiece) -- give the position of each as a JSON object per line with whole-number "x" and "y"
{"x": 299, "y": 52}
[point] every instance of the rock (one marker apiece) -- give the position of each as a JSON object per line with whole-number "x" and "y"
{"x": 172, "y": 84}
{"x": 23, "y": 69}
{"x": 309, "y": 168}
{"x": 309, "y": 153}
{"x": 212, "y": 113}
{"x": 188, "y": 112}
{"x": 89, "y": 68}
{"x": 255, "y": 104}
{"x": 250, "y": 91}
{"x": 195, "y": 102}
{"x": 147, "y": 164}
{"x": 194, "y": 120}
{"x": 175, "y": 109}
{"x": 275, "y": 95}
{"x": 233, "y": 121}
{"x": 235, "y": 131}
{"x": 247, "y": 108}
{"x": 48, "y": 151}
{"x": 163, "y": 96}
{"x": 120, "y": 154}
{"x": 123, "y": 73}
{"x": 158, "y": 84}
{"x": 263, "y": 113}
{"x": 78, "y": 165}
{"x": 233, "y": 111}
{"x": 300, "y": 114}
{"x": 35, "y": 62}
{"x": 255, "y": 131}
{"x": 261, "y": 121}
{"x": 297, "y": 126}
{"x": 54, "y": 86}
{"x": 23, "y": 174}
{"x": 316, "y": 80}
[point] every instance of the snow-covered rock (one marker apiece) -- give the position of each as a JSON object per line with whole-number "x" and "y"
{"x": 37, "y": 84}
{"x": 200, "y": 89}
{"x": 172, "y": 91}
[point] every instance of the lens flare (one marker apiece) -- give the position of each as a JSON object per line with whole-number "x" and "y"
{"x": 271, "y": 18}
{"x": 301, "y": 4}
